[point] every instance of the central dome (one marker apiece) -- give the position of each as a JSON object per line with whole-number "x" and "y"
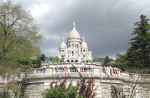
{"x": 74, "y": 33}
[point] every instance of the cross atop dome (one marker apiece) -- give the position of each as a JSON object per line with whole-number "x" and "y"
{"x": 74, "y": 26}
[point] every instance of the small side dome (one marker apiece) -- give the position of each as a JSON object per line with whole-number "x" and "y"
{"x": 84, "y": 44}
{"x": 63, "y": 45}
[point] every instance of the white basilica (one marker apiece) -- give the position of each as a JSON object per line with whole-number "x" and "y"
{"x": 74, "y": 49}
{"x": 108, "y": 81}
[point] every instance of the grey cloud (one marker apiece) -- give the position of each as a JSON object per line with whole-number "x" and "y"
{"x": 106, "y": 24}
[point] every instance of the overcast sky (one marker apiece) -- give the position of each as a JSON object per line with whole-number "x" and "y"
{"x": 105, "y": 24}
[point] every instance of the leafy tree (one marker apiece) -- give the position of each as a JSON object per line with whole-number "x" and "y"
{"x": 43, "y": 57}
{"x": 62, "y": 91}
{"x": 59, "y": 92}
{"x": 107, "y": 60}
{"x": 18, "y": 36}
{"x": 37, "y": 62}
{"x": 121, "y": 61}
{"x": 18, "y": 41}
{"x": 139, "y": 50}
{"x": 54, "y": 60}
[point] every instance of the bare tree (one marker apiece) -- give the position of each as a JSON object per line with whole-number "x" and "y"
{"x": 117, "y": 91}
{"x": 86, "y": 87}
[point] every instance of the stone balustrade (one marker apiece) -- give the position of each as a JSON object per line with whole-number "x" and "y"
{"x": 105, "y": 78}
{"x": 86, "y": 71}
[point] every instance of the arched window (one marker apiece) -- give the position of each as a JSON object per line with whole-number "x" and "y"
{"x": 72, "y": 53}
{"x": 68, "y": 61}
{"x": 76, "y": 61}
{"x": 71, "y": 60}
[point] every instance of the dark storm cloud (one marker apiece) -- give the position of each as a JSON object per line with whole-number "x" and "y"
{"x": 105, "y": 24}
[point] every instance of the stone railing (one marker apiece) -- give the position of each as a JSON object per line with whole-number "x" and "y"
{"x": 76, "y": 72}
{"x": 5, "y": 80}
{"x": 70, "y": 71}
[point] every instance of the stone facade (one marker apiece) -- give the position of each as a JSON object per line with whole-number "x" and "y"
{"x": 108, "y": 81}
